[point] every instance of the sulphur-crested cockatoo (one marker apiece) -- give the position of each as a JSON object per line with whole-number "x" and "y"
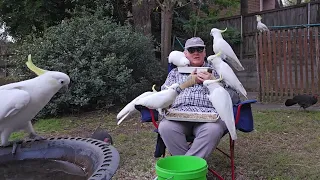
{"x": 219, "y": 44}
{"x": 229, "y": 77}
{"x": 159, "y": 100}
{"x": 21, "y": 101}
{"x": 260, "y": 26}
{"x": 129, "y": 109}
{"x": 178, "y": 58}
{"x": 222, "y": 102}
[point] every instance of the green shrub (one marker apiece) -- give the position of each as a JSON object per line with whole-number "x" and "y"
{"x": 108, "y": 64}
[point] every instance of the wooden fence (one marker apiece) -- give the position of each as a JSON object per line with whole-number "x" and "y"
{"x": 275, "y": 19}
{"x": 288, "y": 63}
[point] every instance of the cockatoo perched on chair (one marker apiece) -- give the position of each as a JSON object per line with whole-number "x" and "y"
{"x": 160, "y": 100}
{"x": 260, "y": 26}
{"x": 21, "y": 101}
{"x": 178, "y": 58}
{"x": 222, "y": 102}
{"x": 219, "y": 44}
{"x": 227, "y": 73}
{"x": 129, "y": 109}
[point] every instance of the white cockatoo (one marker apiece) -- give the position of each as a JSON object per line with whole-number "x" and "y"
{"x": 260, "y": 26}
{"x": 178, "y": 58}
{"x": 219, "y": 44}
{"x": 129, "y": 109}
{"x": 159, "y": 100}
{"x": 21, "y": 101}
{"x": 222, "y": 102}
{"x": 227, "y": 73}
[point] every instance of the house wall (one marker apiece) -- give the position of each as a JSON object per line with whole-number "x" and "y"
{"x": 253, "y": 6}
{"x": 269, "y": 4}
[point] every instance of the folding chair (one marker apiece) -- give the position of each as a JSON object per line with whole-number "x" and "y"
{"x": 243, "y": 120}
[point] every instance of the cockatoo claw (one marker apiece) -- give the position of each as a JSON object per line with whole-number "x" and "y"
{"x": 36, "y": 137}
{"x": 14, "y": 145}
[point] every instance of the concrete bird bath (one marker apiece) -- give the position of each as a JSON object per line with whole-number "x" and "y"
{"x": 59, "y": 158}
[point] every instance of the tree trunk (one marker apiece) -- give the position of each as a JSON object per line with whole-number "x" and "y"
{"x": 244, "y": 7}
{"x": 120, "y": 10}
{"x": 298, "y": 1}
{"x": 166, "y": 29}
{"x": 141, "y": 12}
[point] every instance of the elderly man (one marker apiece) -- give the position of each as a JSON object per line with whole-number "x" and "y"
{"x": 193, "y": 99}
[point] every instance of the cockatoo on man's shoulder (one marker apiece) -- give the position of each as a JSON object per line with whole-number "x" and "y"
{"x": 178, "y": 58}
{"x": 129, "y": 109}
{"x": 260, "y": 26}
{"x": 20, "y": 102}
{"x": 161, "y": 99}
{"x": 220, "y": 45}
{"x": 229, "y": 77}
{"x": 222, "y": 102}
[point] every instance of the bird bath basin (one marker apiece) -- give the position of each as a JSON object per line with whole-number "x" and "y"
{"x": 59, "y": 158}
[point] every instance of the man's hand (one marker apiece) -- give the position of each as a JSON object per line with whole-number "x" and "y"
{"x": 202, "y": 76}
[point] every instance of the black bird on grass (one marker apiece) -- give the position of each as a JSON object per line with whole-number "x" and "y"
{"x": 102, "y": 135}
{"x": 304, "y": 100}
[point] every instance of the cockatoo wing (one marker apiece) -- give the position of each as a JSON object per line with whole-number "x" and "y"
{"x": 129, "y": 108}
{"x": 222, "y": 102}
{"x": 12, "y": 102}
{"x": 262, "y": 27}
{"x": 231, "y": 79}
{"x": 225, "y": 48}
{"x": 161, "y": 99}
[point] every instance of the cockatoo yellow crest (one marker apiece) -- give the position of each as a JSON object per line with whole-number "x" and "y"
{"x": 34, "y": 68}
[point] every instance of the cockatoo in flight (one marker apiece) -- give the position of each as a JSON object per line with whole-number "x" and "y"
{"x": 130, "y": 109}
{"x": 21, "y": 101}
{"x": 227, "y": 73}
{"x": 219, "y": 44}
{"x": 260, "y": 26}
{"x": 222, "y": 102}
{"x": 159, "y": 100}
{"x": 178, "y": 58}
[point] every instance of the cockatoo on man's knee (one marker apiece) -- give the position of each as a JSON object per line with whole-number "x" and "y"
{"x": 222, "y": 102}
{"x": 219, "y": 44}
{"x": 159, "y": 100}
{"x": 229, "y": 77}
{"x": 129, "y": 109}
{"x": 260, "y": 26}
{"x": 21, "y": 101}
{"x": 178, "y": 58}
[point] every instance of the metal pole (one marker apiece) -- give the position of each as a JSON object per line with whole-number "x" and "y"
{"x": 308, "y": 8}
{"x": 241, "y": 33}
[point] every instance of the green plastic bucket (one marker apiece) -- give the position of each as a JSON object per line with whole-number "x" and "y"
{"x": 181, "y": 168}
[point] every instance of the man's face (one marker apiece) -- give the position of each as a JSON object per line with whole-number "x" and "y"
{"x": 195, "y": 55}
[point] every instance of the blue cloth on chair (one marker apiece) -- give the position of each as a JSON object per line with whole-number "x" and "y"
{"x": 145, "y": 113}
{"x": 245, "y": 123}
{"x": 171, "y": 66}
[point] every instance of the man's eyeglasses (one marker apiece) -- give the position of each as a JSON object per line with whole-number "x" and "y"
{"x": 194, "y": 49}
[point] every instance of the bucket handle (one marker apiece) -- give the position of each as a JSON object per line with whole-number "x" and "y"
{"x": 166, "y": 179}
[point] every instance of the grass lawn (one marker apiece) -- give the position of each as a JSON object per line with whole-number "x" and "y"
{"x": 284, "y": 145}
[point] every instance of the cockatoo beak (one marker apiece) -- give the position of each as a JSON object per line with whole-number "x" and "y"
{"x": 34, "y": 68}
{"x": 64, "y": 89}
{"x": 220, "y": 78}
{"x": 222, "y": 31}
{"x": 153, "y": 88}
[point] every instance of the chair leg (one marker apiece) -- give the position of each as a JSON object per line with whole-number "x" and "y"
{"x": 232, "y": 157}
{"x": 216, "y": 174}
